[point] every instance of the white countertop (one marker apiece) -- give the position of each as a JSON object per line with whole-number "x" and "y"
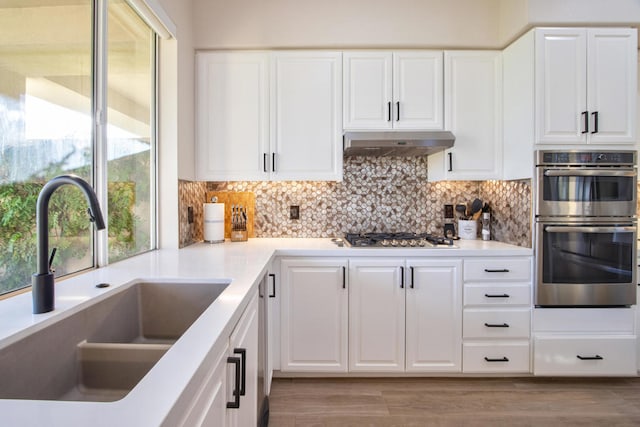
{"x": 241, "y": 263}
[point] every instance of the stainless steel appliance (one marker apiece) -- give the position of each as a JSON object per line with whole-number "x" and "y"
{"x": 396, "y": 143}
{"x": 586, "y": 184}
{"x": 398, "y": 240}
{"x": 585, "y": 228}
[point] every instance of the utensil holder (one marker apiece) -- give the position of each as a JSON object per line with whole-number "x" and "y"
{"x": 467, "y": 230}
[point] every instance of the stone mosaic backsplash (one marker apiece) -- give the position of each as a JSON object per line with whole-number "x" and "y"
{"x": 376, "y": 194}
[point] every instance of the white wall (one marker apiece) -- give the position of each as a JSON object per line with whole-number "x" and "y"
{"x": 241, "y": 24}
{"x": 176, "y": 118}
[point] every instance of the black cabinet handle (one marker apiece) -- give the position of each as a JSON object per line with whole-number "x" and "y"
{"x": 389, "y": 111}
{"x": 397, "y": 111}
{"x": 236, "y": 391}
{"x": 273, "y": 282}
{"x": 496, "y": 325}
{"x": 243, "y": 362}
{"x": 496, "y": 295}
{"x": 264, "y": 162}
{"x": 596, "y": 357}
{"x": 585, "y": 121}
{"x": 450, "y": 161}
{"x": 273, "y": 162}
{"x": 595, "y": 122}
{"x": 500, "y": 270}
{"x": 401, "y": 277}
{"x": 344, "y": 277}
{"x": 411, "y": 268}
{"x": 502, "y": 359}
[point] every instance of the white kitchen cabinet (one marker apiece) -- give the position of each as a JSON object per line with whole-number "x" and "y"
{"x": 243, "y": 343}
{"x": 586, "y": 85}
{"x": 208, "y": 406}
{"x": 209, "y": 399}
{"x": 497, "y": 315}
{"x": 306, "y": 111}
{"x": 376, "y": 315}
{"x": 269, "y": 116}
{"x": 584, "y": 341}
{"x": 232, "y": 115}
{"x": 393, "y": 90}
{"x": 313, "y": 304}
{"x": 433, "y": 315}
{"x": 404, "y": 316}
{"x": 473, "y": 112}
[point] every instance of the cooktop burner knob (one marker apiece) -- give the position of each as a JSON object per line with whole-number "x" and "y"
{"x": 413, "y": 243}
{"x": 422, "y": 242}
{"x": 404, "y": 243}
{"x": 385, "y": 242}
{"x": 394, "y": 242}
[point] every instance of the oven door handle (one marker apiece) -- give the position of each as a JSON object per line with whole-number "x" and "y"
{"x": 571, "y": 229}
{"x": 590, "y": 172}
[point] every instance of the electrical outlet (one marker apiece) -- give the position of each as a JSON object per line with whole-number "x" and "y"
{"x": 448, "y": 211}
{"x": 294, "y": 212}
{"x": 190, "y": 214}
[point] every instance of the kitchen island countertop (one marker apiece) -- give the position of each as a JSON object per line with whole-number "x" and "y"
{"x": 242, "y": 264}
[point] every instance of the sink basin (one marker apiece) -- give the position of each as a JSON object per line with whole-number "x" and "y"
{"x": 101, "y": 352}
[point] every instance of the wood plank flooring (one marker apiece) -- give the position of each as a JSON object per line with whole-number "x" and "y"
{"x": 399, "y": 402}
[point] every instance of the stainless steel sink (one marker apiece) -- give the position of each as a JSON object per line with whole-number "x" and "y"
{"x": 101, "y": 352}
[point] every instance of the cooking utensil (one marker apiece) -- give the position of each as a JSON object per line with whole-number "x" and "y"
{"x": 476, "y": 206}
{"x": 461, "y": 209}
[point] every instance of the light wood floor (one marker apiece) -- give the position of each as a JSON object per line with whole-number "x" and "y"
{"x": 455, "y": 402}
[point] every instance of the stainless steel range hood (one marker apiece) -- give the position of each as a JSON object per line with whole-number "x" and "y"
{"x": 396, "y": 143}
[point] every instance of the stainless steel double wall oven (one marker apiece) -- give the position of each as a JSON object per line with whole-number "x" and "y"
{"x": 585, "y": 228}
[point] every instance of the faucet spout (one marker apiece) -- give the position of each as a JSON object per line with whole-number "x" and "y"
{"x": 42, "y": 281}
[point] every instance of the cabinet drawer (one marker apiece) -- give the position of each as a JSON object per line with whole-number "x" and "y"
{"x": 497, "y": 269}
{"x": 495, "y": 357}
{"x": 568, "y": 355}
{"x": 497, "y": 295}
{"x": 496, "y": 323}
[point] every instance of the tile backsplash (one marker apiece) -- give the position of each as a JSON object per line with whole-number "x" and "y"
{"x": 376, "y": 194}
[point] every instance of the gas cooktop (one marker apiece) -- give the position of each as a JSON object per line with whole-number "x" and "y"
{"x": 397, "y": 240}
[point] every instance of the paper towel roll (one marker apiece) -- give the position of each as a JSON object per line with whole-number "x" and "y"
{"x": 213, "y": 222}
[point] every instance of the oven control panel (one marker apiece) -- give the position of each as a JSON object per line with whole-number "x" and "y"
{"x": 618, "y": 158}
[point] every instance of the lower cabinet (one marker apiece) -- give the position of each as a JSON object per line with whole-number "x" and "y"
{"x": 227, "y": 396}
{"x": 313, "y": 315}
{"x": 405, "y": 315}
{"x": 584, "y": 342}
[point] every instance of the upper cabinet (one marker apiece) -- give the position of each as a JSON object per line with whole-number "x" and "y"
{"x": 269, "y": 116}
{"x": 306, "y": 113}
{"x": 473, "y": 112}
{"x": 585, "y": 83}
{"x": 232, "y": 115}
{"x": 393, "y": 90}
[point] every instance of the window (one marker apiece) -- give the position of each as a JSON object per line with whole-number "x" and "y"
{"x": 51, "y": 86}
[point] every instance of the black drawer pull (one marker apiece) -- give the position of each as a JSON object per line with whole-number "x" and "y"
{"x": 243, "y": 361}
{"x": 344, "y": 277}
{"x": 273, "y": 282}
{"x": 496, "y": 325}
{"x": 401, "y": 277}
{"x": 236, "y": 391}
{"x": 502, "y": 359}
{"x": 496, "y": 295}
{"x": 501, "y": 270}
{"x": 596, "y": 357}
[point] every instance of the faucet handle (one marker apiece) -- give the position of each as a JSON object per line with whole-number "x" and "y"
{"x": 53, "y": 254}
{"x": 91, "y": 217}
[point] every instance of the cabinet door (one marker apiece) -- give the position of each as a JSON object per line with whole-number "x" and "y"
{"x": 313, "y": 315}
{"x": 417, "y": 90}
{"x": 611, "y": 85}
{"x": 561, "y": 104}
{"x": 243, "y": 343}
{"x": 232, "y": 116}
{"x": 434, "y": 316}
{"x": 473, "y": 112}
{"x": 306, "y": 110}
{"x": 376, "y": 315}
{"x": 367, "y": 90}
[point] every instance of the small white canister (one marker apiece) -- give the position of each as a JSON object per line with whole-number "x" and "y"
{"x": 467, "y": 230}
